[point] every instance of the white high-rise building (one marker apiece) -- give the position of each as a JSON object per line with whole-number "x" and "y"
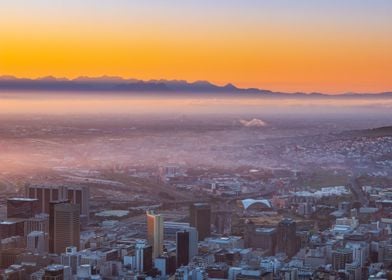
{"x": 71, "y": 258}
{"x": 193, "y": 242}
{"x": 143, "y": 257}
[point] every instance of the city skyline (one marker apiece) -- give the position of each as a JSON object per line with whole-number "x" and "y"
{"x": 196, "y": 140}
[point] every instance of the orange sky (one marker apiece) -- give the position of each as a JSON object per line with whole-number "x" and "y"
{"x": 304, "y": 47}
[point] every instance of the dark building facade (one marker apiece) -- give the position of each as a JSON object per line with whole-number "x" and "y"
{"x": 24, "y": 208}
{"x": 12, "y": 227}
{"x": 147, "y": 259}
{"x": 47, "y": 193}
{"x": 10, "y": 256}
{"x": 54, "y": 272}
{"x": 261, "y": 238}
{"x": 287, "y": 241}
{"x": 182, "y": 238}
{"x": 51, "y": 223}
{"x": 200, "y": 218}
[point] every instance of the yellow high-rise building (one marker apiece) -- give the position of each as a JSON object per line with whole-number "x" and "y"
{"x": 155, "y": 233}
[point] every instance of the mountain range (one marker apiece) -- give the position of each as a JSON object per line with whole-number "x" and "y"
{"x": 118, "y": 84}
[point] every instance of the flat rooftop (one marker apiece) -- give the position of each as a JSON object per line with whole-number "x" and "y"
{"x": 22, "y": 199}
{"x": 265, "y": 230}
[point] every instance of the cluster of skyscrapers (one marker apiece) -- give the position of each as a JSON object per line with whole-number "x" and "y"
{"x": 187, "y": 238}
{"x": 49, "y": 217}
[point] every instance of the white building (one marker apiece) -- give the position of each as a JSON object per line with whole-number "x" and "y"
{"x": 37, "y": 242}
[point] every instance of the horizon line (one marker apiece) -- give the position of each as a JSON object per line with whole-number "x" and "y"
{"x": 131, "y": 80}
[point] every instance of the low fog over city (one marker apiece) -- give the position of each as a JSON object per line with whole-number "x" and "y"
{"x": 253, "y": 163}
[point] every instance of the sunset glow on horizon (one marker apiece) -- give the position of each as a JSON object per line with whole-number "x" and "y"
{"x": 324, "y": 46}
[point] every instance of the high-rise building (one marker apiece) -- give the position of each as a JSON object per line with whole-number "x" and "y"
{"x": 200, "y": 218}
{"x": 80, "y": 195}
{"x": 71, "y": 258}
{"x": 261, "y": 238}
{"x": 155, "y": 232}
{"x": 20, "y": 207}
{"x": 340, "y": 257}
{"x": 144, "y": 255}
{"x": 287, "y": 241}
{"x": 52, "y": 223}
{"x": 166, "y": 264}
{"x": 193, "y": 242}
{"x": 186, "y": 245}
{"x": 182, "y": 251}
{"x": 64, "y": 226}
{"x": 46, "y": 193}
{"x": 170, "y": 229}
{"x": 360, "y": 251}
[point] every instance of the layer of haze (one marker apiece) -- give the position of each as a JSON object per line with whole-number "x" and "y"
{"x": 329, "y": 46}
{"x": 157, "y": 104}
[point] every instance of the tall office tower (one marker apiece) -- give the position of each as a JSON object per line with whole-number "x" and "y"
{"x": 37, "y": 242}
{"x": 144, "y": 255}
{"x": 155, "y": 232}
{"x": 193, "y": 242}
{"x": 187, "y": 242}
{"x": 64, "y": 226}
{"x": 182, "y": 251}
{"x": 80, "y": 195}
{"x": 340, "y": 257}
{"x": 52, "y": 223}
{"x": 200, "y": 218}
{"x": 287, "y": 237}
{"x": 20, "y": 207}
{"x": 47, "y": 193}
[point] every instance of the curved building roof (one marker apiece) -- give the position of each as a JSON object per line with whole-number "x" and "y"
{"x": 249, "y": 202}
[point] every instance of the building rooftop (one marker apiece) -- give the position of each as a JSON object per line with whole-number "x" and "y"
{"x": 54, "y": 267}
{"x": 10, "y": 221}
{"x": 201, "y": 204}
{"x": 22, "y": 199}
